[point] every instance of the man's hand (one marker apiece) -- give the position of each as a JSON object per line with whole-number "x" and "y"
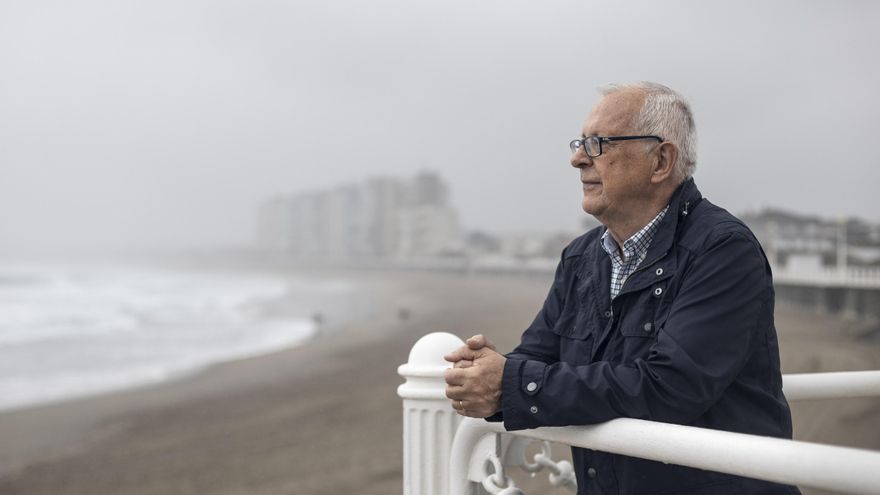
{"x": 474, "y": 383}
{"x": 459, "y": 356}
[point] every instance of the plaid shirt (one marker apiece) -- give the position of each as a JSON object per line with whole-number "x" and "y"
{"x": 634, "y": 251}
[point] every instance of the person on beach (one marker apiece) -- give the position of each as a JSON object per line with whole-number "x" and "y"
{"x": 663, "y": 313}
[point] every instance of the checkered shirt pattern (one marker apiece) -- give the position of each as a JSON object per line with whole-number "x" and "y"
{"x": 634, "y": 251}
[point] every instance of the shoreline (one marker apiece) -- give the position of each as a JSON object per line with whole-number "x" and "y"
{"x": 311, "y": 306}
{"x": 83, "y": 414}
{"x": 324, "y": 417}
{"x": 168, "y": 377}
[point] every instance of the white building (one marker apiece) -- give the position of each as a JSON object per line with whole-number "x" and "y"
{"x": 428, "y": 230}
{"x": 379, "y": 218}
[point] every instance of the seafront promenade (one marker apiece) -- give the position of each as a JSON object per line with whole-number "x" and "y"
{"x": 851, "y": 293}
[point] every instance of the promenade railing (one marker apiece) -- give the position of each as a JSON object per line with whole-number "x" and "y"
{"x": 445, "y": 454}
{"x": 849, "y": 277}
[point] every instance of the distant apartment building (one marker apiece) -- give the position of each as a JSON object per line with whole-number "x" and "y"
{"x": 379, "y": 218}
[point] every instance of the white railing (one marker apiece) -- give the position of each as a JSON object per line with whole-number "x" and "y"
{"x": 444, "y": 455}
{"x": 838, "y": 385}
{"x": 849, "y": 277}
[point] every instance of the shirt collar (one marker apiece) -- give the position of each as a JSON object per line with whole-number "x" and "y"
{"x": 637, "y": 245}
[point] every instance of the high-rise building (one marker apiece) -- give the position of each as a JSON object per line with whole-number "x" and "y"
{"x": 381, "y": 217}
{"x": 428, "y": 189}
{"x": 428, "y": 230}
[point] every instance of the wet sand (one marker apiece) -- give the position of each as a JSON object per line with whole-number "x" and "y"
{"x": 325, "y": 418}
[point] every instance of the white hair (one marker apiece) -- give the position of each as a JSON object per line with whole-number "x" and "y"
{"x": 667, "y": 114}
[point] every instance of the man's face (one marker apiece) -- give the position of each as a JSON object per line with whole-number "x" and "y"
{"x": 616, "y": 183}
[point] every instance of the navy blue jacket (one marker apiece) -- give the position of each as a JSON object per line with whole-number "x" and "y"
{"x": 689, "y": 339}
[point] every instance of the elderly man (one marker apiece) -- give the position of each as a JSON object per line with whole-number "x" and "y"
{"x": 663, "y": 313}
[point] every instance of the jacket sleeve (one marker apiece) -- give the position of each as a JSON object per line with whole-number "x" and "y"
{"x": 538, "y": 343}
{"x": 724, "y": 297}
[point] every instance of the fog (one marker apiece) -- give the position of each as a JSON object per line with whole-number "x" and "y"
{"x": 164, "y": 124}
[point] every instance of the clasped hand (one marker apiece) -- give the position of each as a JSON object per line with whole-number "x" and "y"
{"x": 474, "y": 381}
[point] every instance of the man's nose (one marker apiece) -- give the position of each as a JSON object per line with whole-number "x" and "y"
{"x": 580, "y": 159}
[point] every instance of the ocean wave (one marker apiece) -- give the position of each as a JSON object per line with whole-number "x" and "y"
{"x": 66, "y": 333}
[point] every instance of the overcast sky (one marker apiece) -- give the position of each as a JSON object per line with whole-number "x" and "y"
{"x": 163, "y": 124}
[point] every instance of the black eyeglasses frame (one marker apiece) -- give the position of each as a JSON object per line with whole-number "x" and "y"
{"x": 577, "y": 144}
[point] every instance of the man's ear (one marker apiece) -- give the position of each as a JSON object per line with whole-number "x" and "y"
{"x": 664, "y": 167}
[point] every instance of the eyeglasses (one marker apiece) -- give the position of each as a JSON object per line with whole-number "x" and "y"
{"x": 593, "y": 144}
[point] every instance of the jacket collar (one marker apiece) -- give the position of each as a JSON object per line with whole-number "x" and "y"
{"x": 683, "y": 201}
{"x": 597, "y": 262}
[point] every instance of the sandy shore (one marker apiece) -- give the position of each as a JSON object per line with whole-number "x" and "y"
{"x": 325, "y": 418}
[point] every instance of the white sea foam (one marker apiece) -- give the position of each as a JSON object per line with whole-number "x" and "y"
{"x": 67, "y": 333}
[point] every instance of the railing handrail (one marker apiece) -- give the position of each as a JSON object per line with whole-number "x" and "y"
{"x": 438, "y": 449}
{"x": 790, "y": 462}
{"x": 831, "y": 385}
{"x": 852, "y": 277}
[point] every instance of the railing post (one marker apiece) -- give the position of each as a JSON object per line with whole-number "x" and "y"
{"x": 429, "y": 422}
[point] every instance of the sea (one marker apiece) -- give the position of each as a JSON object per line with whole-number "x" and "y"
{"x": 70, "y": 332}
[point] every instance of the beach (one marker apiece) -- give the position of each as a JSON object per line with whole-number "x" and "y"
{"x": 324, "y": 417}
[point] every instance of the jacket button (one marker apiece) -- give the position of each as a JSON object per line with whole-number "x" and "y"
{"x": 591, "y": 472}
{"x": 658, "y": 291}
{"x": 659, "y": 272}
{"x": 531, "y": 386}
{"x": 649, "y": 326}
{"x": 533, "y": 409}
{"x": 608, "y": 314}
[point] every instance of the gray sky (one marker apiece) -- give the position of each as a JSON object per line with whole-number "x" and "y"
{"x": 163, "y": 124}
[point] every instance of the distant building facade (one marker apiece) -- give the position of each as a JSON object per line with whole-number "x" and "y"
{"x": 804, "y": 240}
{"x": 379, "y": 218}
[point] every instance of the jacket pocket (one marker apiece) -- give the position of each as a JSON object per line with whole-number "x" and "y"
{"x": 575, "y": 338}
{"x": 646, "y": 311}
{"x": 638, "y": 327}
